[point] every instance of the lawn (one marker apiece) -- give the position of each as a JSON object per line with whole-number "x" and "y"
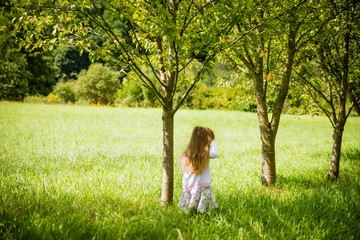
{"x": 83, "y": 172}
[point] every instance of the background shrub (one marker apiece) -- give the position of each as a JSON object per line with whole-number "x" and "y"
{"x": 35, "y": 99}
{"x": 133, "y": 94}
{"x": 66, "y": 91}
{"x": 130, "y": 94}
{"x": 98, "y": 84}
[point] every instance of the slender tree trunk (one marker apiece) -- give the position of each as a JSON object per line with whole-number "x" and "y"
{"x": 167, "y": 191}
{"x": 268, "y": 129}
{"x": 340, "y": 123}
{"x": 168, "y": 165}
{"x": 268, "y": 173}
{"x": 336, "y": 151}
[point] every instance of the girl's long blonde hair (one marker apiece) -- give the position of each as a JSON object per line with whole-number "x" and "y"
{"x": 196, "y": 155}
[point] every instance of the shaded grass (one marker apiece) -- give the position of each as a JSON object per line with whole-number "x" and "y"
{"x": 72, "y": 172}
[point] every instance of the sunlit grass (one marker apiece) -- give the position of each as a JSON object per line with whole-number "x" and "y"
{"x": 95, "y": 172}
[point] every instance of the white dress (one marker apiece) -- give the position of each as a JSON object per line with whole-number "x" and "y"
{"x": 197, "y": 188}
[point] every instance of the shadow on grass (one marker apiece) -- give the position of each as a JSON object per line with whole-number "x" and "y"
{"x": 298, "y": 208}
{"x": 41, "y": 217}
{"x": 300, "y": 182}
{"x": 347, "y": 154}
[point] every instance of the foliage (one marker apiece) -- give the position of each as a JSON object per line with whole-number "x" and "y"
{"x": 328, "y": 68}
{"x": 22, "y": 72}
{"x": 14, "y": 74}
{"x": 231, "y": 91}
{"x": 130, "y": 94}
{"x": 123, "y": 33}
{"x": 95, "y": 175}
{"x": 67, "y": 91}
{"x": 42, "y": 73}
{"x": 98, "y": 84}
{"x": 133, "y": 93}
{"x": 68, "y": 62}
{"x": 35, "y": 99}
{"x": 204, "y": 97}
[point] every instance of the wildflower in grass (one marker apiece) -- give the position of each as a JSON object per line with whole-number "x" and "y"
{"x": 196, "y": 182}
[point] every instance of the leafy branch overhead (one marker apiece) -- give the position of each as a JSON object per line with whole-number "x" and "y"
{"x": 164, "y": 37}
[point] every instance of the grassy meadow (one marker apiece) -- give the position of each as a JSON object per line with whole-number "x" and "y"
{"x": 82, "y": 172}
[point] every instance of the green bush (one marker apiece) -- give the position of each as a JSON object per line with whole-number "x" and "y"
{"x": 98, "y": 84}
{"x": 221, "y": 97}
{"x": 13, "y": 76}
{"x": 35, "y": 99}
{"x": 66, "y": 91}
{"x": 132, "y": 94}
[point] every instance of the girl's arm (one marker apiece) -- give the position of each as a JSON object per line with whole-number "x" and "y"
{"x": 214, "y": 152}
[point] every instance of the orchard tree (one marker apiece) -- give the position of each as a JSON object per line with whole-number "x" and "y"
{"x": 330, "y": 66}
{"x": 267, "y": 54}
{"x": 167, "y": 37}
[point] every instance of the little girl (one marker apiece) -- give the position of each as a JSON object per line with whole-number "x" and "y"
{"x": 196, "y": 181}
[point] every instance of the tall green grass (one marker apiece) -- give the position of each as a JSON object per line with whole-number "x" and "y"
{"x": 76, "y": 172}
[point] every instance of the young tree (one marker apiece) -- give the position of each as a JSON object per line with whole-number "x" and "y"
{"x": 331, "y": 63}
{"x": 167, "y": 36}
{"x": 267, "y": 56}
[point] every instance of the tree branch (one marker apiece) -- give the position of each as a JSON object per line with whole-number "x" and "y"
{"x": 192, "y": 84}
{"x": 145, "y": 53}
{"x": 108, "y": 30}
{"x": 192, "y": 18}
{"x": 186, "y": 16}
{"x": 313, "y": 86}
{"x": 237, "y": 65}
{"x": 321, "y": 107}
{"x": 349, "y": 111}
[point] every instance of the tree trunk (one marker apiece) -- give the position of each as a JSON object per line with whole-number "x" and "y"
{"x": 268, "y": 173}
{"x": 168, "y": 162}
{"x": 335, "y": 157}
{"x": 269, "y": 129}
{"x": 340, "y": 123}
